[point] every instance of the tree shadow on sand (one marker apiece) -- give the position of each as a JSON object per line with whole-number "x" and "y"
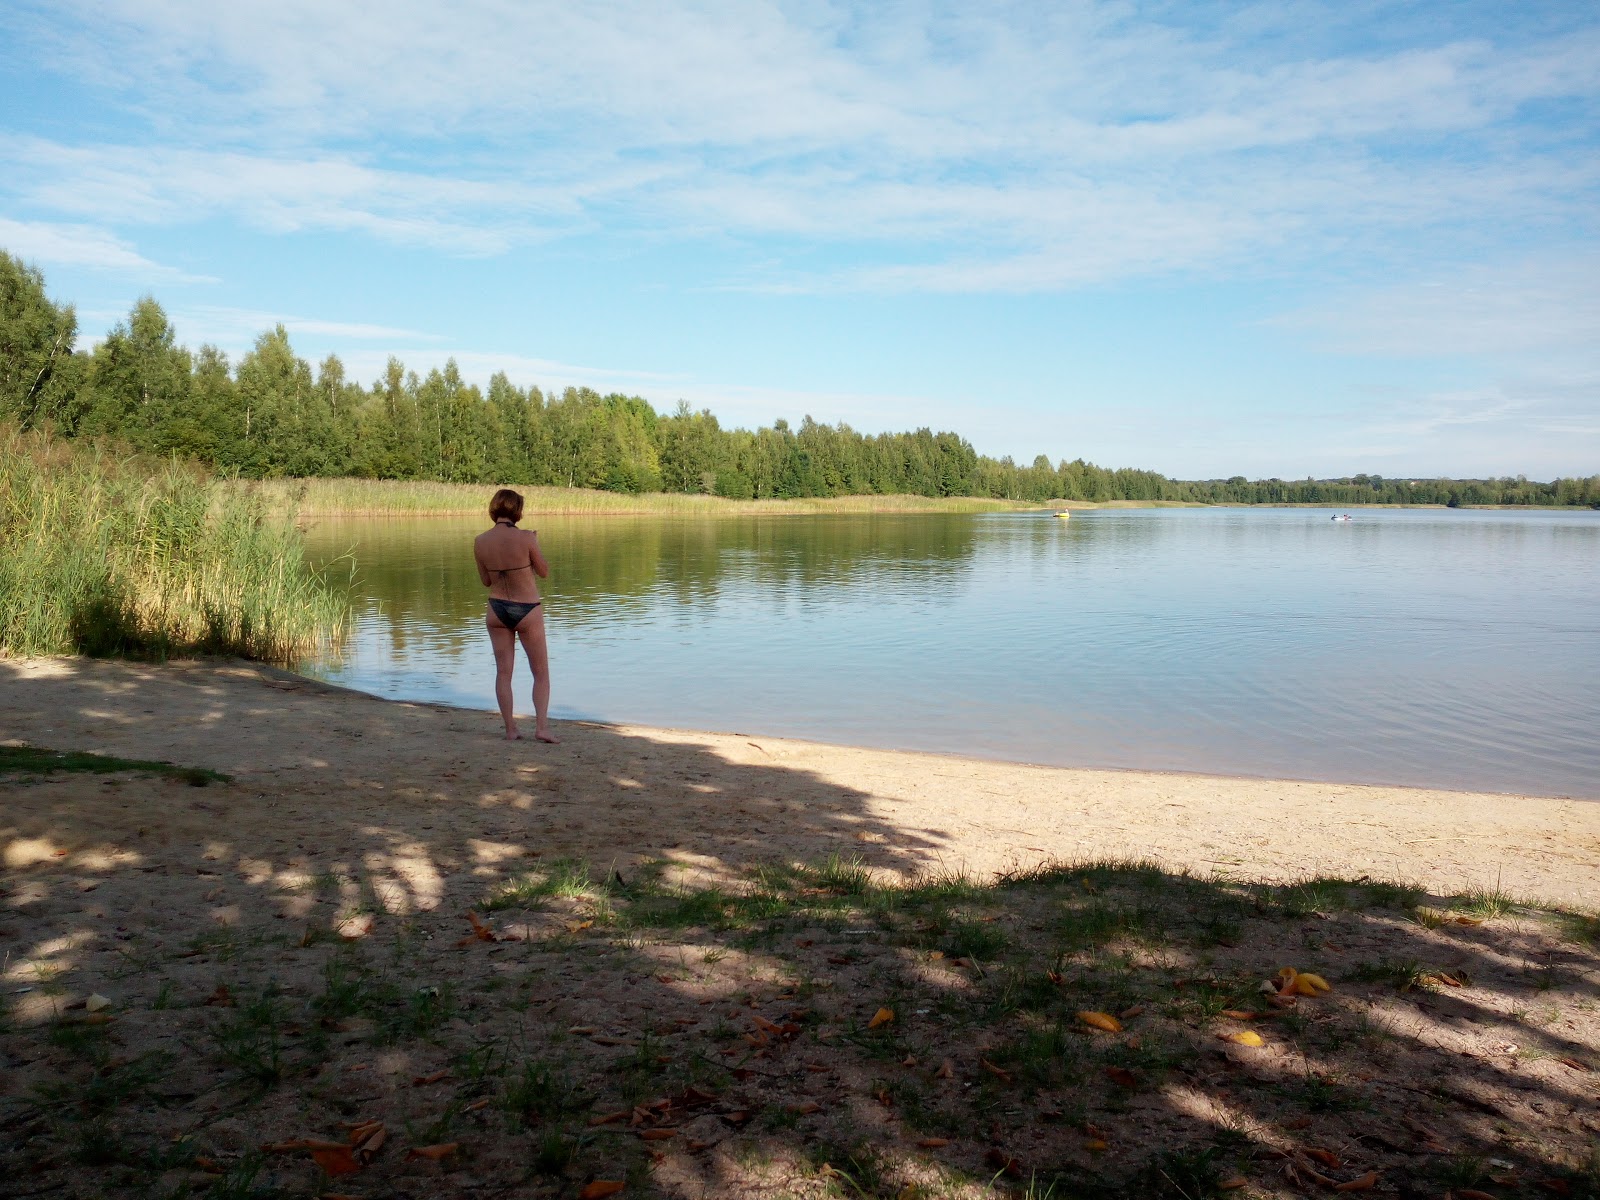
{"x": 736, "y": 979}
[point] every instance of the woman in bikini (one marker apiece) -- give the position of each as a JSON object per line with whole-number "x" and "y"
{"x": 508, "y": 559}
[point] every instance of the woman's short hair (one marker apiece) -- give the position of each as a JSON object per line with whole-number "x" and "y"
{"x": 506, "y": 506}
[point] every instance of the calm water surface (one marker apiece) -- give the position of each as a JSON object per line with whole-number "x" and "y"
{"x": 1428, "y": 647}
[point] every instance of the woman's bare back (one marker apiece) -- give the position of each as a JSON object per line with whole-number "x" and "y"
{"x": 510, "y": 562}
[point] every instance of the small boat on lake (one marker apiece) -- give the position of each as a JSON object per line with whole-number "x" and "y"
{"x": 1063, "y": 514}
{"x": 1342, "y": 517}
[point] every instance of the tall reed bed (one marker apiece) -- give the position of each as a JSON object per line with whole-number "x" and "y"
{"x": 107, "y": 553}
{"x": 383, "y": 497}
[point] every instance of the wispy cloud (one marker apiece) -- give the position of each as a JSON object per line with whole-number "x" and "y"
{"x": 1013, "y": 149}
{"x": 55, "y": 243}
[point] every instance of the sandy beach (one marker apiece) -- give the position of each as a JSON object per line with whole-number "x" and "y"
{"x": 428, "y": 795}
{"x": 643, "y": 962}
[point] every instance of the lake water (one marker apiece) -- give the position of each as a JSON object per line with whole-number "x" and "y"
{"x": 1428, "y": 647}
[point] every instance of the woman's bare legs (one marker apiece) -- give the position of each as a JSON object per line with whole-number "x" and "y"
{"x": 504, "y": 642}
{"x": 531, "y": 631}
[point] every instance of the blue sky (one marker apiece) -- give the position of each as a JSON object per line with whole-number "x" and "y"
{"x": 1282, "y": 239}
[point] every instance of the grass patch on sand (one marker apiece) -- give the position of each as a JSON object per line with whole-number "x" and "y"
{"x": 34, "y": 760}
{"x": 385, "y": 497}
{"x": 1100, "y": 1029}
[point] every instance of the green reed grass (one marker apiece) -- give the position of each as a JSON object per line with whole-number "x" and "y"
{"x": 385, "y": 497}
{"x": 107, "y": 553}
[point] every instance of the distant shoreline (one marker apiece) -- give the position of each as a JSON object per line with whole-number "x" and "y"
{"x": 354, "y": 497}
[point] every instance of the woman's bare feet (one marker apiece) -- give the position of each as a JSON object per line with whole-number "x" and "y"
{"x": 513, "y": 734}
{"x": 544, "y": 735}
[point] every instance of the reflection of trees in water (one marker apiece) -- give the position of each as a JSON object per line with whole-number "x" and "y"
{"x": 419, "y": 575}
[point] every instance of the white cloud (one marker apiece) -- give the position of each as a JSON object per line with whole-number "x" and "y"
{"x": 928, "y": 145}
{"x": 57, "y": 244}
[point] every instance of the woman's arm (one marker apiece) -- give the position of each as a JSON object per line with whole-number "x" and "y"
{"x": 540, "y": 567}
{"x": 483, "y": 571}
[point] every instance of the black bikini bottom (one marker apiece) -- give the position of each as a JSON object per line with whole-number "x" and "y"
{"x": 510, "y": 613}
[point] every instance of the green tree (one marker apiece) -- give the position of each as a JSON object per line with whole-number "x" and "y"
{"x": 36, "y": 339}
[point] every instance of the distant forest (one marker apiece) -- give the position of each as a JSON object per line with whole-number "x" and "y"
{"x": 273, "y": 415}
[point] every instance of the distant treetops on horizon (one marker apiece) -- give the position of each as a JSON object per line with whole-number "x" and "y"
{"x": 272, "y": 415}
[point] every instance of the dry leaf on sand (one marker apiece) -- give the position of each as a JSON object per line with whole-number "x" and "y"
{"x": 1102, "y": 1021}
{"x": 441, "y": 1151}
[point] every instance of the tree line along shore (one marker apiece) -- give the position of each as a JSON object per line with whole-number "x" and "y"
{"x": 273, "y": 415}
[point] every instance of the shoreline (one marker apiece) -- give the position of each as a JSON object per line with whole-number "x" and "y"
{"x": 334, "y": 498}
{"x": 713, "y": 804}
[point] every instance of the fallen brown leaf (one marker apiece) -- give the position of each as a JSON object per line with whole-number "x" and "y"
{"x": 601, "y": 1188}
{"x": 1123, "y": 1076}
{"x": 1232, "y": 1184}
{"x": 805, "y": 1107}
{"x": 1365, "y": 1183}
{"x": 336, "y": 1160}
{"x": 998, "y": 1072}
{"x": 1004, "y": 1162}
{"x": 932, "y": 1143}
{"x": 657, "y": 1135}
{"x": 433, "y": 1153}
{"x": 1326, "y": 1157}
{"x": 425, "y": 1080}
{"x": 946, "y": 1070}
{"x": 882, "y": 1017}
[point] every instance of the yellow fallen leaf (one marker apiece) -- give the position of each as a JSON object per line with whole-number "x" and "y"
{"x": 1469, "y": 920}
{"x": 1239, "y": 1014}
{"x": 1102, "y": 1021}
{"x": 1307, "y": 984}
{"x": 96, "y": 1002}
{"x": 578, "y": 926}
{"x": 882, "y": 1017}
{"x": 1246, "y": 1037}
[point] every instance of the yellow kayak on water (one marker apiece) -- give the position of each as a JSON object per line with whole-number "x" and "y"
{"x": 1064, "y": 515}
